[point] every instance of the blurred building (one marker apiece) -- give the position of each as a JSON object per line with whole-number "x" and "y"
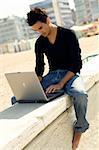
{"x": 94, "y": 9}
{"x": 14, "y": 29}
{"x": 58, "y": 10}
{"x": 14, "y": 34}
{"x": 82, "y": 11}
{"x": 86, "y": 11}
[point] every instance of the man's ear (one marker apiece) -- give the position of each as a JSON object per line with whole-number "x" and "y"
{"x": 48, "y": 21}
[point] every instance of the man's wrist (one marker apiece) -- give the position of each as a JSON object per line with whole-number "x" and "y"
{"x": 40, "y": 78}
{"x": 61, "y": 84}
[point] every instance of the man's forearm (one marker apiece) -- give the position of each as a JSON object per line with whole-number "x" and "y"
{"x": 54, "y": 87}
{"x": 66, "y": 78}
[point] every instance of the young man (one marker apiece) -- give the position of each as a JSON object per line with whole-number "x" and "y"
{"x": 62, "y": 49}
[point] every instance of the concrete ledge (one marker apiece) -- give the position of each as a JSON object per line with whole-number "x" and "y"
{"x": 21, "y": 123}
{"x": 17, "y": 133}
{"x": 90, "y": 72}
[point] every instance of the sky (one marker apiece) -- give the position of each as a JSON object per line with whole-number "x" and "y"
{"x": 17, "y": 7}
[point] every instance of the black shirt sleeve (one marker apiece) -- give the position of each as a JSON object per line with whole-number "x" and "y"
{"x": 39, "y": 68}
{"x": 75, "y": 53}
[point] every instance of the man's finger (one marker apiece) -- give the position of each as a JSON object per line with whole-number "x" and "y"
{"x": 50, "y": 90}
{"x": 53, "y": 90}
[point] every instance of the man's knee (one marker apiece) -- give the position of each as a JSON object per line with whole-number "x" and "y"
{"x": 81, "y": 99}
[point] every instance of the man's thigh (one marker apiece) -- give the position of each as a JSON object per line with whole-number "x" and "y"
{"x": 75, "y": 86}
{"x": 53, "y": 77}
{"x": 49, "y": 79}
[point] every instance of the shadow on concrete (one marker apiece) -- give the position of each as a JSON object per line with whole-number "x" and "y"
{"x": 19, "y": 110}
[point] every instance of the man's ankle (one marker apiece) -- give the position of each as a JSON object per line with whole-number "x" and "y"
{"x": 76, "y": 140}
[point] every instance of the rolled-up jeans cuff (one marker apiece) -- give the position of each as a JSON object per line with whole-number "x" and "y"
{"x": 81, "y": 129}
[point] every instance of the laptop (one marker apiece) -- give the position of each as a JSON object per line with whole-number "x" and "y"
{"x": 27, "y": 88}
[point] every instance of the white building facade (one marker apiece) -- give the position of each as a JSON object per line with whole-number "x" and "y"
{"x": 86, "y": 11}
{"x": 14, "y": 29}
{"x": 82, "y": 11}
{"x": 94, "y": 9}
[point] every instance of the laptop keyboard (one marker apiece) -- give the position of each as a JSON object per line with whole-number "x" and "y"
{"x": 58, "y": 93}
{"x": 50, "y": 94}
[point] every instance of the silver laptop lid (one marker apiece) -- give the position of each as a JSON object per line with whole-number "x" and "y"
{"x": 26, "y": 86}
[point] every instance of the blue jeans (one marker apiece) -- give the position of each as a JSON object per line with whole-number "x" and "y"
{"x": 75, "y": 89}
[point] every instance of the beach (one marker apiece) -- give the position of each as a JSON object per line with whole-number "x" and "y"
{"x": 25, "y": 61}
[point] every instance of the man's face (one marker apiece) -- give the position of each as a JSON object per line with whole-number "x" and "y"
{"x": 42, "y": 28}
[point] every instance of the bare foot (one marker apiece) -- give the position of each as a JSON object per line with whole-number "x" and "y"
{"x": 76, "y": 140}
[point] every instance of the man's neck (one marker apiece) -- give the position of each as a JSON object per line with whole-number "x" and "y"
{"x": 52, "y": 36}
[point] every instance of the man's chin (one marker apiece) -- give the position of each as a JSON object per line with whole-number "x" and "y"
{"x": 44, "y": 35}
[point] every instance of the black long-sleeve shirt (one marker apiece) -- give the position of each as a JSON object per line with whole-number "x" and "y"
{"x": 63, "y": 54}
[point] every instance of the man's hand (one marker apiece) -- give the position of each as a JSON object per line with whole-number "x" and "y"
{"x": 54, "y": 88}
{"x": 60, "y": 85}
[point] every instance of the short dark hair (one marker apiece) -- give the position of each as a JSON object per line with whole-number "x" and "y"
{"x": 36, "y": 14}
